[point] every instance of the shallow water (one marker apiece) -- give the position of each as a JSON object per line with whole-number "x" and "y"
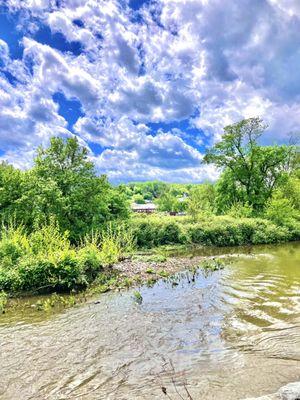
{"x": 223, "y": 335}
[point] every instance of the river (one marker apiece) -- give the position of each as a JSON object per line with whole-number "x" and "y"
{"x": 223, "y": 335}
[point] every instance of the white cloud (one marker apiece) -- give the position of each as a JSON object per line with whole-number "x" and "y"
{"x": 227, "y": 60}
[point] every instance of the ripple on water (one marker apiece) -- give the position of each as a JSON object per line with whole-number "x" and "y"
{"x": 230, "y": 334}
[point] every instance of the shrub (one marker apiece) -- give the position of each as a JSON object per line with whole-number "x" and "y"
{"x": 13, "y": 244}
{"x": 45, "y": 260}
{"x": 117, "y": 241}
{"x": 211, "y": 230}
{"x": 240, "y": 210}
{"x": 155, "y": 231}
{"x": 170, "y": 233}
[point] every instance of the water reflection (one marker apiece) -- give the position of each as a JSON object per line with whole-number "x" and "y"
{"x": 229, "y": 334}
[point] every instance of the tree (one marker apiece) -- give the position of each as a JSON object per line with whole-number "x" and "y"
{"x": 62, "y": 185}
{"x": 168, "y": 202}
{"x": 11, "y": 180}
{"x": 251, "y": 172}
{"x": 138, "y": 199}
{"x": 201, "y": 199}
{"x": 280, "y": 209}
{"x": 87, "y": 200}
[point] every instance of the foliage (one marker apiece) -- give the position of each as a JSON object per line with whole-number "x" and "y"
{"x": 138, "y": 297}
{"x": 240, "y": 210}
{"x": 152, "y": 258}
{"x": 10, "y": 189}
{"x": 61, "y": 223}
{"x": 3, "y": 301}
{"x": 201, "y": 200}
{"x": 45, "y": 260}
{"x": 212, "y": 264}
{"x": 154, "y": 190}
{"x": 280, "y": 209}
{"x": 212, "y": 230}
{"x": 168, "y": 202}
{"x": 138, "y": 199}
{"x": 251, "y": 172}
{"x": 154, "y": 231}
{"x": 163, "y": 273}
{"x": 62, "y": 184}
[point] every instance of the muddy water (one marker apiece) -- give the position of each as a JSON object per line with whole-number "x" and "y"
{"x": 224, "y": 335}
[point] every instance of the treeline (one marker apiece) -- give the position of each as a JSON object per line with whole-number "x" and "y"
{"x": 256, "y": 181}
{"x": 61, "y": 223}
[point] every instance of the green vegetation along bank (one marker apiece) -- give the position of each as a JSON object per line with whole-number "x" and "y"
{"x": 63, "y": 226}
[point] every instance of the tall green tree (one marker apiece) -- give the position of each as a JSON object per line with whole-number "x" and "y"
{"x": 63, "y": 185}
{"x": 251, "y": 172}
{"x": 87, "y": 199}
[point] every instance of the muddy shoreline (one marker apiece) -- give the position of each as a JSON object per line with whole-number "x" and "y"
{"x": 132, "y": 268}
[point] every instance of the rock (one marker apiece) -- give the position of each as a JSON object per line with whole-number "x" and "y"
{"x": 287, "y": 392}
{"x": 290, "y": 391}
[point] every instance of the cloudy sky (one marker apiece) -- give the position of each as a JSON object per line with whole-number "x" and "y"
{"x": 146, "y": 85}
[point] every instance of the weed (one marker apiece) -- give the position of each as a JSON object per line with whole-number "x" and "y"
{"x": 150, "y": 271}
{"x": 163, "y": 273}
{"x": 212, "y": 264}
{"x": 3, "y": 302}
{"x": 138, "y": 297}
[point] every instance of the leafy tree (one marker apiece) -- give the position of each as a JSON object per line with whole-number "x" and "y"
{"x": 201, "y": 199}
{"x": 251, "y": 172}
{"x": 11, "y": 180}
{"x": 63, "y": 185}
{"x": 291, "y": 190}
{"x": 168, "y": 202}
{"x": 138, "y": 199}
{"x": 280, "y": 209}
{"x": 240, "y": 210}
{"x": 40, "y": 200}
{"x": 87, "y": 200}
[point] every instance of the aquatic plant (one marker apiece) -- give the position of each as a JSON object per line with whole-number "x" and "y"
{"x": 137, "y": 296}
{"x": 150, "y": 271}
{"x": 212, "y": 264}
{"x": 3, "y": 301}
{"x": 163, "y": 273}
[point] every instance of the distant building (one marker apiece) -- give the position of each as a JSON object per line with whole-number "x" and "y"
{"x": 147, "y": 208}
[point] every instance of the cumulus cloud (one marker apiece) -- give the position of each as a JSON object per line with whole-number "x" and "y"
{"x": 209, "y": 62}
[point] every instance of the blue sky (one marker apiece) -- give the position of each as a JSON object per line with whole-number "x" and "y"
{"x": 146, "y": 85}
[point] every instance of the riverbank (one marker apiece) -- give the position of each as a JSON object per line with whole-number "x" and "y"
{"x": 230, "y": 334}
{"x": 47, "y": 261}
{"x": 143, "y": 268}
{"x": 132, "y": 272}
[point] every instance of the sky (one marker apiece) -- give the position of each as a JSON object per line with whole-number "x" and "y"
{"x": 146, "y": 85}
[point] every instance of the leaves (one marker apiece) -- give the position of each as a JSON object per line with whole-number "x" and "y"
{"x": 250, "y": 172}
{"x": 62, "y": 184}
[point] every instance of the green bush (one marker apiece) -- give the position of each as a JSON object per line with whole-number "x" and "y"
{"x": 226, "y": 231}
{"x": 45, "y": 260}
{"x": 157, "y": 230}
{"x": 211, "y": 230}
{"x": 170, "y": 233}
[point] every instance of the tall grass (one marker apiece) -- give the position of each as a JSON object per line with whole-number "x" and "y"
{"x": 45, "y": 260}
